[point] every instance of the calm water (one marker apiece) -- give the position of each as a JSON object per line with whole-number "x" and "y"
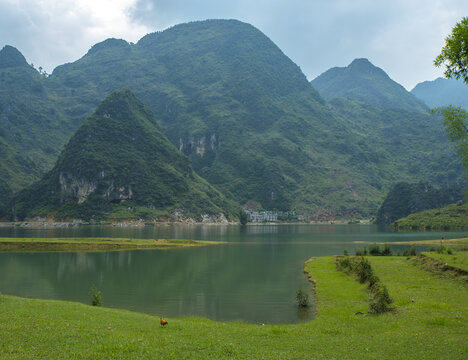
{"x": 253, "y": 278}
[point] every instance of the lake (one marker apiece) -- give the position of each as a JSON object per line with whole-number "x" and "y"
{"x": 252, "y": 278}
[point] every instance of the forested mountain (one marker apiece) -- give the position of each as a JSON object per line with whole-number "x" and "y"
{"x": 442, "y": 92}
{"x": 409, "y": 198}
{"x": 120, "y": 164}
{"x": 250, "y": 122}
{"x": 363, "y": 81}
{"x": 32, "y": 131}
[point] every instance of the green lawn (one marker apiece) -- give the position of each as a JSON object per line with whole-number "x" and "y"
{"x": 458, "y": 259}
{"x": 94, "y": 244}
{"x": 429, "y": 322}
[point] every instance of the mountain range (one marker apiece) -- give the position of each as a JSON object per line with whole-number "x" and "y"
{"x": 243, "y": 114}
{"x": 442, "y": 92}
{"x": 119, "y": 164}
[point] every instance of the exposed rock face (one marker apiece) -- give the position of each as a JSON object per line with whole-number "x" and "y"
{"x": 199, "y": 146}
{"x": 73, "y": 188}
{"x": 118, "y": 193}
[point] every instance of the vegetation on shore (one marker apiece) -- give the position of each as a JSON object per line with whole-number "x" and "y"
{"x": 94, "y": 244}
{"x": 453, "y": 216}
{"x": 426, "y": 307}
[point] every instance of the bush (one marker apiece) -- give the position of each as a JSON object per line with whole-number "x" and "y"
{"x": 363, "y": 270}
{"x": 374, "y": 250}
{"x": 96, "y": 296}
{"x": 380, "y": 300}
{"x": 345, "y": 252}
{"x": 386, "y": 251}
{"x": 410, "y": 252}
{"x": 344, "y": 264}
{"x": 373, "y": 280}
{"x": 302, "y": 298}
{"x": 359, "y": 252}
{"x": 449, "y": 251}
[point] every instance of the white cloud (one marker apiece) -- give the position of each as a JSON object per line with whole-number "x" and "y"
{"x": 50, "y": 32}
{"x": 400, "y": 36}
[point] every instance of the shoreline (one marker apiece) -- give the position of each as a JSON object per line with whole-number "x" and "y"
{"x": 96, "y": 244}
{"x": 78, "y": 223}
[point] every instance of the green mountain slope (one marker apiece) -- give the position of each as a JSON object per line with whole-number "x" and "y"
{"x": 363, "y": 81}
{"x": 442, "y": 92}
{"x": 404, "y": 199}
{"x": 5, "y": 196}
{"x": 450, "y": 217}
{"x": 120, "y": 164}
{"x": 32, "y": 130}
{"x": 250, "y": 122}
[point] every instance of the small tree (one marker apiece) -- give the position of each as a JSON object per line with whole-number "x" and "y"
{"x": 302, "y": 298}
{"x": 243, "y": 217}
{"x": 96, "y": 296}
{"x": 454, "y": 54}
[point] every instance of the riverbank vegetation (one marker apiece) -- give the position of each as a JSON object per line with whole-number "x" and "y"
{"x": 94, "y": 244}
{"x": 426, "y": 306}
{"x": 451, "y": 217}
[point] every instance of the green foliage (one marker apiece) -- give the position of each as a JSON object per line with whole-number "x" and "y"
{"x": 123, "y": 163}
{"x": 455, "y": 122}
{"x": 245, "y": 116}
{"x": 96, "y": 296}
{"x": 363, "y": 270}
{"x": 361, "y": 252}
{"x": 404, "y": 199}
{"x": 454, "y": 54}
{"x": 453, "y": 216}
{"x": 302, "y": 298}
{"x": 380, "y": 301}
{"x": 243, "y": 217}
{"x": 5, "y": 196}
{"x": 344, "y": 264}
{"x": 374, "y": 249}
{"x": 410, "y": 252}
{"x": 366, "y": 83}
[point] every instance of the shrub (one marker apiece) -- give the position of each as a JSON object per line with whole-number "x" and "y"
{"x": 344, "y": 264}
{"x": 410, "y": 252}
{"x": 302, "y": 298}
{"x": 96, "y": 296}
{"x": 374, "y": 250}
{"x": 373, "y": 280}
{"x": 380, "y": 300}
{"x": 345, "y": 252}
{"x": 363, "y": 270}
{"x": 386, "y": 251}
{"x": 359, "y": 252}
{"x": 449, "y": 251}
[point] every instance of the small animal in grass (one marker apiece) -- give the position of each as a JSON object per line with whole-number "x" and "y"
{"x": 162, "y": 321}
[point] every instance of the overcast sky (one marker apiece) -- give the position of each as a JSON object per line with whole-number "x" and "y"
{"x": 400, "y": 36}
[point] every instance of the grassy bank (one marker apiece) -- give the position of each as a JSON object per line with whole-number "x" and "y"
{"x": 457, "y": 259}
{"x": 94, "y": 244}
{"x": 428, "y": 307}
{"x": 462, "y": 242}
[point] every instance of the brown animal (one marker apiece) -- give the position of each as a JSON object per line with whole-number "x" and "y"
{"x": 162, "y": 321}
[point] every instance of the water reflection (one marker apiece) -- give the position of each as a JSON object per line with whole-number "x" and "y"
{"x": 254, "y": 277}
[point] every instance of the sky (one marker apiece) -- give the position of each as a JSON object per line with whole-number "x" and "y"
{"x": 400, "y": 36}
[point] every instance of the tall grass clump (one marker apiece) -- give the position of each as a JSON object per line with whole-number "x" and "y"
{"x": 96, "y": 298}
{"x": 302, "y": 298}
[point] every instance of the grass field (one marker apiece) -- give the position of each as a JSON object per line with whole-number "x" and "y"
{"x": 458, "y": 259}
{"x": 429, "y": 322}
{"x": 94, "y": 244}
